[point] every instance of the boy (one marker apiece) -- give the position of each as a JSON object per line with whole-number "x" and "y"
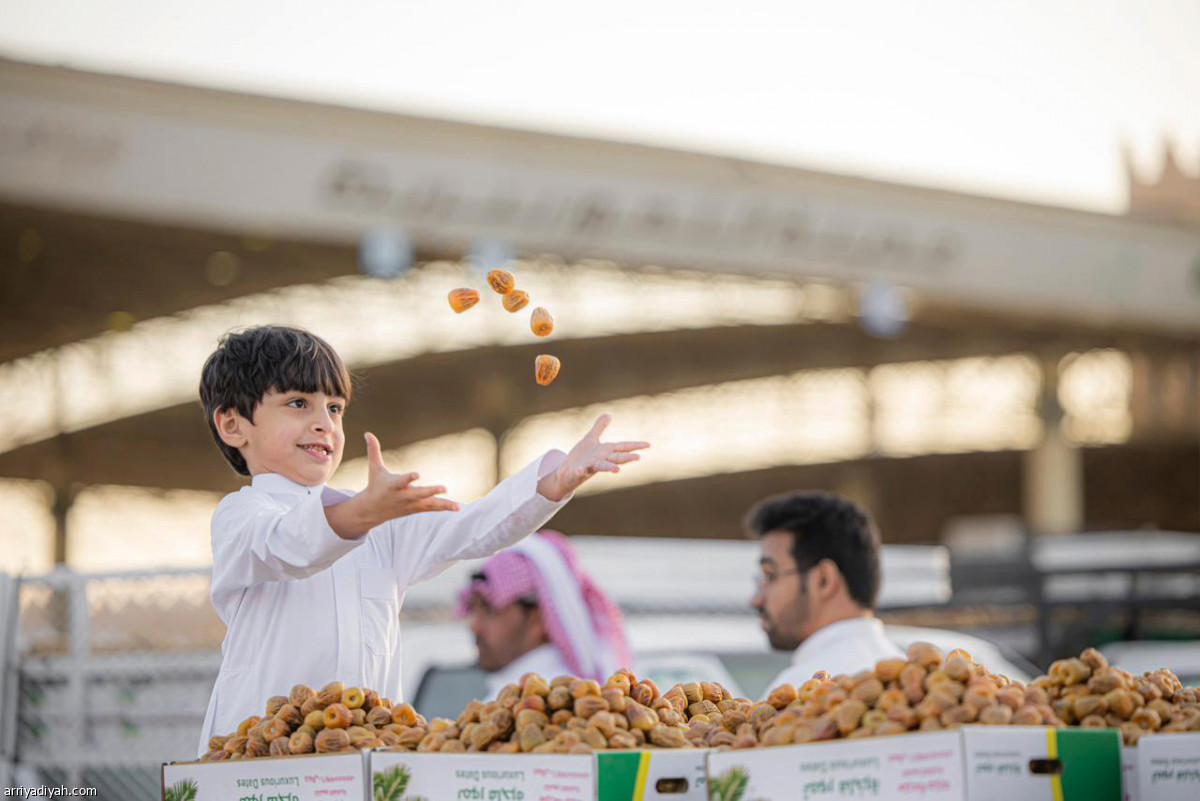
{"x": 309, "y": 580}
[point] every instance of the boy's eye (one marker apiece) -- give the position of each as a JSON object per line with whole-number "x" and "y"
{"x": 297, "y": 403}
{"x": 335, "y": 408}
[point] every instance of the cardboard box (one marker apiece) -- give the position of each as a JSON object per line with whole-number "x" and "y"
{"x": 1129, "y": 780}
{"x": 324, "y": 777}
{"x": 608, "y": 776}
{"x": 975, "y": 763}
{"x": 1168, "y": 767}
{"x": 481, "y": 777}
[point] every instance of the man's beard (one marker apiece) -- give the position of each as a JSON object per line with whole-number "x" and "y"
{"x": 781, "y": 640}
{"x": 487, "y": 660}
{"x": 778, "y": 639}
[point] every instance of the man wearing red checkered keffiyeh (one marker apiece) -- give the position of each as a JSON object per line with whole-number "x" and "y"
{"x": 533, "y": 609}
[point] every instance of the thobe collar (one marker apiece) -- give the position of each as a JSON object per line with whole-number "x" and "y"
{"x": 828, "y": 636}
{"x": 540, "y": 660}
{"x": 275, "y": 484}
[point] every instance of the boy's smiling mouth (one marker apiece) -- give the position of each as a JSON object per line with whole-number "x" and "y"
{"x": 317, "y": 450}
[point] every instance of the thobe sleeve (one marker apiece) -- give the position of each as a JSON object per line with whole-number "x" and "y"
{"x": 253, "y": 542}
{"x": 426, "y": 544}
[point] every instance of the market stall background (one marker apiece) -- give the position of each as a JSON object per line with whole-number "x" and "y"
{"x": 1013, "y": 388}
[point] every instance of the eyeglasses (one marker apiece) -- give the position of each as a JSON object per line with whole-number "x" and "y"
{"x": 762, "y": 581}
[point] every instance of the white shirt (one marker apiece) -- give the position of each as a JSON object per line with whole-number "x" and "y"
{"x": 545, "y": 660}
{"x": 304, "y": 606}
{"x": 844, "y": 647}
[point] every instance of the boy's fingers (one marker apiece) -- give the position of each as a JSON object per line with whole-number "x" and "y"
{"x": 629, "y": 446}
{"x": 406, "y": 479}
{"x": 438, "y": 505}
{"x": 598, "y": 427}
{"x": 421, "y": 493}
{"x": 622, "y": 458}
{"x": 374, "y": 451}
{"x": 599, "y": 466}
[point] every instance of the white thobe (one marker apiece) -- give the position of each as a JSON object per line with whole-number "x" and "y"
{"x": 845, "y": 647}
{"x": 545, "y": 660}
{"x": 303, "y": 606}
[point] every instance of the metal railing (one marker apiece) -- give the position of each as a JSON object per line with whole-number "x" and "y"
{"x": 8, "y": 677}
{"x": 1081, "y": 586}
{"x": 111, "y": 676}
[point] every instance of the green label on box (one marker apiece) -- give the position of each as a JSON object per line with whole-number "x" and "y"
{"x": 619, "y": 774}
{"x": 1091, "y": 764}
{"x": 652, "y": 775}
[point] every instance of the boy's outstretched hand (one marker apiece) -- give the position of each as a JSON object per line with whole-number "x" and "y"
{"x": 589, "y": 457}
{"x": 388, "y": 495}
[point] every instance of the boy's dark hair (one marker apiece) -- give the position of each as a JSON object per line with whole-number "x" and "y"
{"x": 825, "y": 526}
{"x": 248, "y": 364}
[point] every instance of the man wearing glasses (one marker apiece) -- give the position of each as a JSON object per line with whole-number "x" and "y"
{"x": 819, "y": 582}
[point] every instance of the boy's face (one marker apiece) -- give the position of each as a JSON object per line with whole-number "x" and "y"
{"x": 295, "y": 434}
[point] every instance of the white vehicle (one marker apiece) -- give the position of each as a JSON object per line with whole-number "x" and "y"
{"x": 1140, "y": 656}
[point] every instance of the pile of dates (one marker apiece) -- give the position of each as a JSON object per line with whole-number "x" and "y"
{"x": 926, "y": 691}
{"x": 575, "y": 716}
{"x": 1089, "y": 693}
{"x": 563, "y": 716}
{"x": 333, "y": 720}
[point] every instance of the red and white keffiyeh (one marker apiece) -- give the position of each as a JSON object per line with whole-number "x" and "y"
{"x": 580, "y": 620}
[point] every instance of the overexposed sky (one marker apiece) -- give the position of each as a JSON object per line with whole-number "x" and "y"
{"x": 1028, "y": 99}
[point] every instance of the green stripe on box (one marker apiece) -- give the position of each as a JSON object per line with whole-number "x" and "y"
{"x": 617, "y": 775}
{"x": 1091, "y": 760}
